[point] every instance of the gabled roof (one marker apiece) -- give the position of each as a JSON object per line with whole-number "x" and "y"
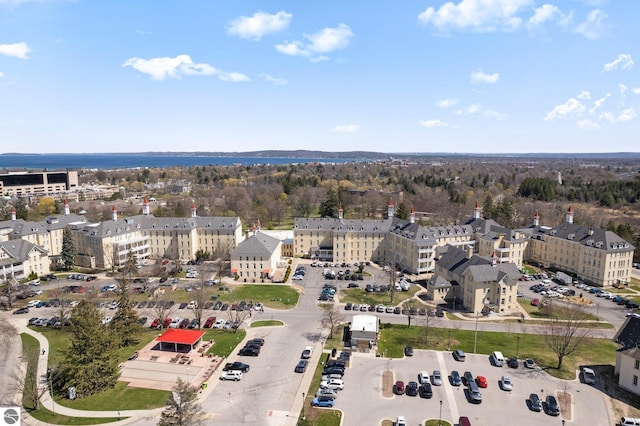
{"x": 341, "y": 225}
{"x": 629, "y": 334}
{"x": 596, "y": 238}
{"x": 20, "y": 227}
{"x": 259, "y": 244}
{"x": 481, "y": 268}
{"x": 17, "y": 251}
{"x": 633, "y": 353}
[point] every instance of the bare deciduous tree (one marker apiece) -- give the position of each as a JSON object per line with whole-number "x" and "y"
{"x": 566, "y": 330}
{"x": 162, "y": 310}
{"x": 332, "y": 317}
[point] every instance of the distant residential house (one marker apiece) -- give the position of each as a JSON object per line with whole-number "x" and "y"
{"x": 256, "y": 257}
{"x": 628, "y": 356}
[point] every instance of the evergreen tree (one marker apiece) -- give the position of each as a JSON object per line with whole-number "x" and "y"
{"x": 182, "y": 407}
{"x": 402, "y": 212}
{"x": 68, "y": 249}
{"x": 124, "y": 325}
{"x": 22, "y": 212}
{"x": 90, "y": 364}
{"x": 329, "y": 207}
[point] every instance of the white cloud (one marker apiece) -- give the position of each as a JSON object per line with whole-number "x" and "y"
{"x": 584, "y": 95}
{"x": 598, "y": 103}
{"x": 1, "y": 74}
{"x": 319, "y": 43}
{"x": 624, "y": 115}
{"x": 592, "y": 27}
{"x": 476, "y": 15}
{"x": 165, "y": 67}
{"x": 623, "y": 62}
{"x": 434, "y": 123}
{"x": 259, "y": 24}
{"x": 587, "y": 124}
{"x": 273, "y": 80}
{"x": 570, "y": 109}
{"x": 635, "y": 90}
{"x": 16, "y": 50}
{"x": 545, "y": 13}
{"x": 347, "y": 128}
{"x": 448, "y": 102}
{"x": 623, "y": 89}
{"x": 480, "y": 111}
{"x": 479, "y": 76}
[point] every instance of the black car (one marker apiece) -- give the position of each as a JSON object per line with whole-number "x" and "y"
{"x": 348, "y": 306}
{"x": 301, "y": 367}
{"x": 333, "y": 370}
{"x": 24, "y": 310}
{"x": 353, "y": 285}
{"x": 408, "y": 350}
{"x": 513, "y": 362}
{"x": 236, "y": 366}
{"x": 467, "y": 378}
{"x": 249, "y": 351}
{"x": 425, "y": 390}
{"x": 183, "y": 305}
{"x": 142, "y": 320}
{"x": 551, "y": 406}
{"x": 255, "y": 342}
{"x": 411, "y": 389}
{"x": 335, "y": 363}
{"x": 534, "y": 402}
{"x": 193, "y": 323}
{"x": 455, "y": 378}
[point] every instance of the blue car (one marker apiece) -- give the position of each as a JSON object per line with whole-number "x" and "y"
{"x": 323, "y": 401}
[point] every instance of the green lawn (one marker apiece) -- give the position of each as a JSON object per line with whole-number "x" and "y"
{"x": 225, "y": 341}
{"x": 358, "y": 295}
{"x": 50, "y": 417}
{"x": 316, "y": 416}
{"x": 276, "y": 296}
{"x": 394, "y": 337}
{"x": 266, "y": 323}
{"x": 121, "y": 397}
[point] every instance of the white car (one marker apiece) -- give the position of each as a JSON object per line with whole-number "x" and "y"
{"x": 33, "y": 303}
{"x": 192, "y": 305}
{"x": 231, "y": 375}
{"x": 505, "y": 383}
{"x": 219, "y": 323}
{"x": 175, "y": 322}
{"x": 333, "y": 384}
{"x": 400, "y": 421}
{"x": 423, "y": 377}
{"x": 106, "y": 320}
{"x": 307, "y": 352}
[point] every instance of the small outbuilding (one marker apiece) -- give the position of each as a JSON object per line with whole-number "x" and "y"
{"x": 179, "y": 340}
{"x": 364, "y": 332}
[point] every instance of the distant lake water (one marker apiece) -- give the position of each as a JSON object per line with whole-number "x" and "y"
{"x": 123, "y": 161}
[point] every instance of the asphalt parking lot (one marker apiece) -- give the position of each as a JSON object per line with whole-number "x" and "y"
{"x": 363, "y": 404}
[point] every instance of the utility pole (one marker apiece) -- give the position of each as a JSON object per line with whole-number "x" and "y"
{"x": 475, "y": 339}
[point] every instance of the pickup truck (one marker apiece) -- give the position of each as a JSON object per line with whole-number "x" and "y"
{"x": 236, "y": 366}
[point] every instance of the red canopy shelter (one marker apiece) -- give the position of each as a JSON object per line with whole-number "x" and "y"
{"x": 180, "y": 340}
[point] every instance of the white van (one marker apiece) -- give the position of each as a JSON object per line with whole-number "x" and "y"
{"x": 630, "y": 421}
{"x": 498, "y": 359}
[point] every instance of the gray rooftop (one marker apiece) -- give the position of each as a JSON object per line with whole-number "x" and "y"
{"x": 257, "y": 245}
{"x": 18, "y": 251}
{"x": 596, "y": 238}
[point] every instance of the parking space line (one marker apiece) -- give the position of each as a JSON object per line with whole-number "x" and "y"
{"x": 448, "y": 389}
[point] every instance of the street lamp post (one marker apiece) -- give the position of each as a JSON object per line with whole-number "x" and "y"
{"x": 475, "y": 339}
{"x": 440, "y": 417}
{"x": 303, "y": 418}
{"x": 517, "y": 346}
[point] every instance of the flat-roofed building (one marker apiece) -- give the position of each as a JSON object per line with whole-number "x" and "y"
{"x": 38, "y": 183}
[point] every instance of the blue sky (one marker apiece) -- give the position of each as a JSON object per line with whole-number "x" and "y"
{"x": 229, "y": 75}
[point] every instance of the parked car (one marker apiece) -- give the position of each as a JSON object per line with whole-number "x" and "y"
{"x": 193, "y": 323}
{"x": 327, "y": 392}
{"x": 302, "y": 366}
{"x": 398, "y": 388}
{"x": 231, "y": 375}
{"x": 467, "y": 378}
{"x": 423, "y": 377}
{"x": 240, "y": 366}
{"x": 588, "y": 375}
{"x": 333, "y": 384}
{"x": 184, "y": 323}
{"x": 482, "y": 381}
{"x": 256, "y": 342}
{"x": 249, "y": 351}
{"x": 436, "y": 378}
{"x": 455, "y": 378}
{"x": 19, "y": 311}
{"x": 209, "y": 322}
{"x": 551, "y": 406}
{"x": 425, "y": 390}
{"x": 411, "y": 389}
{"x": 408, "y": 350}
{"x": 459, "y": 355}
{"x": 505, "y": 383}
{"x": 512, "y": 362}
{"x": 323, "y": 401}
{"x": 534, "y": 402}
{"x": 529, "y": 363}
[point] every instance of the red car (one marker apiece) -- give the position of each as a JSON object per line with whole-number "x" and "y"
{"x": 535, "y": 302}
{"x": 184, "y": 323}
{"x": 155, "y": 323}
{"x": 482, "y": 381}
{"x": 398, "y": 388}
{"x": 209, "y": 322}
{"x": 166, "y": 322}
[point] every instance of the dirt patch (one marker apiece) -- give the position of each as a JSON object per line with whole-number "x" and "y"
{"x": 387, "y": 384}
{"x": 564, "y": 400}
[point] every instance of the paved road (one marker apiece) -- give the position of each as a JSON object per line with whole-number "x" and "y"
{"x": 271, "y": 393}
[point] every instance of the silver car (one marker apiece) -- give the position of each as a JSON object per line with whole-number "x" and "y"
{"x": 436, "y": 379}
{"x": 506, "y": 384}
{"x": 326, "y": 392}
